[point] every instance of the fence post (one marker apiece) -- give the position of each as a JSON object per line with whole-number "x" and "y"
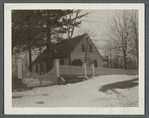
{"x": 56, "y": 61}
{"x": 85, "y": 70}
{"x": 19, "y": 60}
{"x": 93, "y": 70}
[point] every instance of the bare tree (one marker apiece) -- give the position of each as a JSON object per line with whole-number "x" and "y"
{"x": 135, "y": 33}
{"x": 121, "y": 34}
{"x": 70, "y": 22}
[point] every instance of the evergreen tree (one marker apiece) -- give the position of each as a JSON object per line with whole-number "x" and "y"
{"x": 36, "y": 28}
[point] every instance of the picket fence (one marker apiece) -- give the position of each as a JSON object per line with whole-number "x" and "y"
{"x": 49, "y": 78}
{"x": 71, "y": 70}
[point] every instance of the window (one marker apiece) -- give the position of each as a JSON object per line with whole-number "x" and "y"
{"x": 36, "y": 68}
{"x": 47, "y": 63}
{"x": 90, "y": 48}
{"x": 95, "y": 62}
{"x": 83, "y": 48}
{"x": 44, "y": 67}
{"x": 62, "y": 62}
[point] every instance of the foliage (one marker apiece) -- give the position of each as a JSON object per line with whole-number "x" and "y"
{"x": 37, "y": 28}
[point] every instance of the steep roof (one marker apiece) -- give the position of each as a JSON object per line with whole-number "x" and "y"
{"x": 62, "y": 49}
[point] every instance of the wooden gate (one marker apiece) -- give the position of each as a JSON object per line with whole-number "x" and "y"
{"x": 32, "y": 79}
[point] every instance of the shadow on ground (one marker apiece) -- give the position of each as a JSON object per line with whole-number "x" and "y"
{"x": 120, "y": 85}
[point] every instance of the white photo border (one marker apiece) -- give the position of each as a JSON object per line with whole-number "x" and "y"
{"x": 8, "y": 109}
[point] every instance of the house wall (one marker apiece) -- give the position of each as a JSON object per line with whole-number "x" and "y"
{"x": 66, "y": 61}
{"x": 78, "y": 54}
{"x": 34, "y": 68}
{"x": 91, "y": 56}
{"x": 44, "y": 67}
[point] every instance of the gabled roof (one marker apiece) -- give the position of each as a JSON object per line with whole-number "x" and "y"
{"x": 95, "y": 47}
{"x": 62, "y": 49}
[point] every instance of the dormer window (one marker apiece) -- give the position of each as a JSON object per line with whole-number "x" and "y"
{"x": 83, "y": 48}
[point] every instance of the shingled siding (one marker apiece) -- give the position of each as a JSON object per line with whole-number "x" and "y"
{"x": 94, "y": 55}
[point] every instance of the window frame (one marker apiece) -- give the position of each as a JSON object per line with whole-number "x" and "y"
{"x": 83, "y": 47}
{"x": 62, "y": 62}
{"x": 95, "y": 63}
{"x": 37, "y": 70}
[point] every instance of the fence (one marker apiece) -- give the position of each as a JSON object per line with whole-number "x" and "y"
{"x": 113, "y": 71}
{"x": 92, "y": 71}
{"x": 14, "y": 71}
{"x": 17, "y": 68}
{"x": 71, "y": 70}
{"x": 49, "y": 78}
{"x": 31, "y": 79}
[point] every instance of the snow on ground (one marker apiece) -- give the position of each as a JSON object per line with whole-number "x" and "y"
{"x": 91, "y": 93}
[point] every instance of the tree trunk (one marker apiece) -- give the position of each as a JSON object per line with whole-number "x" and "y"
{"x": 137, "y": 53}
{"x": 136, "y": 37}
{"x": 30, "y": 55}
{"x": 137, "y": 62}
{"x": 50, "y": 49}
{"x": 125, "y": 65}
{"x": 125, "y": 60}
{"x": 40, "y": 64}
{"x": 85, "y": 56}
{"x": 86, "y": 51}
{"x": 69, "y": 56}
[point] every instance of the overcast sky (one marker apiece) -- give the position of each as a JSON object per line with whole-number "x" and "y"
{"x": 96, "y": 25}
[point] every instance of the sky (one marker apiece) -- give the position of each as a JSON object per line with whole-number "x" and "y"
{"x": 95, "y": 24}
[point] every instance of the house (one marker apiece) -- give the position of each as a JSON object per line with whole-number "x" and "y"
{"x": 75, "y": 51}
